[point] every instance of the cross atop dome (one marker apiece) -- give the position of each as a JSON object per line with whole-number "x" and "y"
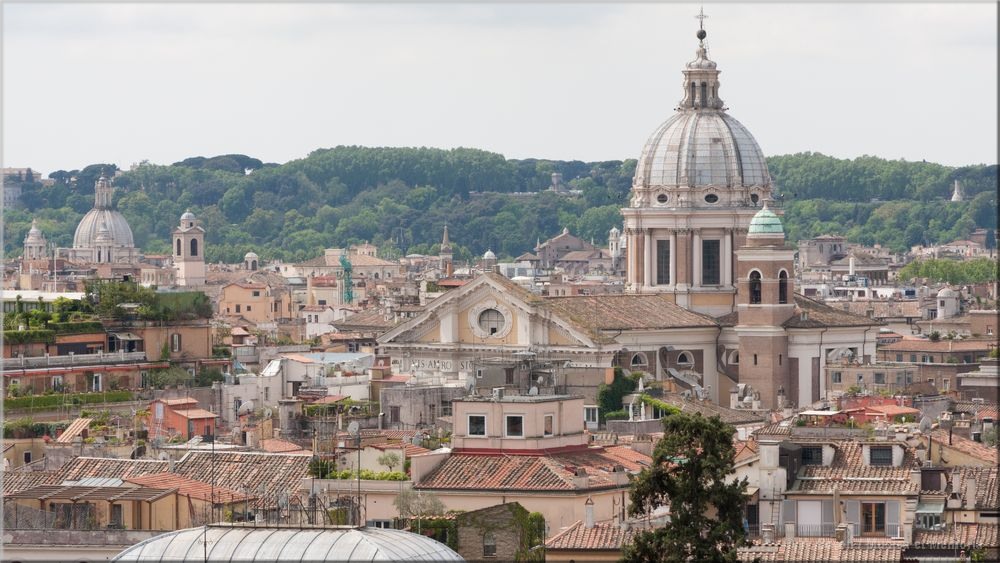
{"x": 702, "y": 34}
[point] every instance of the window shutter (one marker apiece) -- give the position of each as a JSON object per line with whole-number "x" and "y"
{"x": 788, "y": 511}
{"x": 854, "y": 515}
{"x": 892, "y": 518}
{"x": 827, "y": 516}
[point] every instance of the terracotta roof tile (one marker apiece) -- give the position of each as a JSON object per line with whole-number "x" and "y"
{"x": 188, "y": 487}
{"x": 598, "y": 314}
{"x": 849, "y": 473}
{"x": 275, "y": 473}
{"x": 277, "y": 446}
{"x": 731, "y": 416}
{"x": 819, "y": 315}
{"x": 14, "y": 481}
{"x": 823, "y": 549}
{"x": 987, "y": 485}
{"x": 959, "y": 535}
{"x": 606, "y": 535}
{"x": 966, "y": 446}
{"x": 74, "y": 430}
{"x": 531, "y": 473}
{"x": 80, "y": 467}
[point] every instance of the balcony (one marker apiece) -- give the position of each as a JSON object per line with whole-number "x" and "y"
{"x": 70, "y": 360}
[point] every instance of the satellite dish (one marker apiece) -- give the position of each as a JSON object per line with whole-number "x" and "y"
{"x": 245, "y": 408}
{"x": 925, "y": 425}
{"x": 353, "y": 429}
{"x": 533, "y": 390}
{"x": 540, "y": 379}
{"x": 282, "y": 501}
{"x": 163, "y": 456}
{"x": 268, "y": 413}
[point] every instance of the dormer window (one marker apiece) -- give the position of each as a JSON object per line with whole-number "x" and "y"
{"x": 880, "y": 456}
{"x": 812, "y": 455}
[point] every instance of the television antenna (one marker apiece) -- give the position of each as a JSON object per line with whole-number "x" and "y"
{"x": 354, "y": 430}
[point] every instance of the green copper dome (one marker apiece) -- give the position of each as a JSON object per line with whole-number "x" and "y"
{"x": 766, "y": 223}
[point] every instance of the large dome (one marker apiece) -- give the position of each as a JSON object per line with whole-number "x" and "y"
{"x": 701, "y": 156}
{"x": 87, "y": 230}
{"x": 702, "y": 149}
{"x": 274, "y": 544}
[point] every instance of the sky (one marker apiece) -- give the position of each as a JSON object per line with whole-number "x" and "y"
{"x": 88, "y": 83}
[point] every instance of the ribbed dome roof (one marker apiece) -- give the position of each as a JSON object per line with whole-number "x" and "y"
{"x": 250, "y": 256}
{"x": 118, "y": 229}
{"x": 276, "y": 544}
{"x": 701, "y": 149}
{"x": 947, "y": 292}
{"x": 34, "y": 233}
{"x": 489, "y": 255}
{"x": 187, "y": 216}
{"x": 766, "y": 223}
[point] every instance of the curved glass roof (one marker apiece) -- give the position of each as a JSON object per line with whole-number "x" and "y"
{"x": 276, "y": 544}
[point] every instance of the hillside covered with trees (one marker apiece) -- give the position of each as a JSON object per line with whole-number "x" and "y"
{"x": 400, "y": 198}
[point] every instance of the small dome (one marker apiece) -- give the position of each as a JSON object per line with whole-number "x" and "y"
{"x": 489, "y": 255}
{"x": 276, "y": 544}
{"x": 947, "y": 292}
{"x": 251, "y": 256}
{"x": 614, "y": 232}
{"x": 34, "y": 233}
{"x": 766, "y": 223}
{"x": 187, "y": 216}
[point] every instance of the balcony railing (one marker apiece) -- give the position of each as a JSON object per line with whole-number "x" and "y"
{"x": 72, "y": 360}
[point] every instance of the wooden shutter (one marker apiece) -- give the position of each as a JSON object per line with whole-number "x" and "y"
{"x": 854, "y": 515}
{"x": 892, "y": 518}
{"x": 788, "y": 511}
{"x": 827, "y": 515}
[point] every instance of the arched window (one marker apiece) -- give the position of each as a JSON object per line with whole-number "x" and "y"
{"x": 783, "y": 287}
{"x": 704, "y": 95}
{"x": 178, "y": 247}
{"x": 692, "y": 95}
{"x": 684, "y": 359}
{"x": 755, "y": 287}
{"x": 735, "y": 359}
{"x": 638, "y": 360}
{"x": 194, "y": 247}
{"x": 489, "y": 545}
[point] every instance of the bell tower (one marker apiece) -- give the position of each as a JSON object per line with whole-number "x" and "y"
{"x": 189, "y": 251}
{"x": 764, "y": 301}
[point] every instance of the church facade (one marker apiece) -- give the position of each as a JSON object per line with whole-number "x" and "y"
{"x": 709, "y": 300}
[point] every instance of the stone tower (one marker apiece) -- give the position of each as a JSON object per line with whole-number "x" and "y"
{"x": 764, "y": 301}
{"x": 446, "y": 255}
{"x": 189, "y": 251}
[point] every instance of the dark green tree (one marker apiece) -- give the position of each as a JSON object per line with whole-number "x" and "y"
{"x": 692, "y": 474}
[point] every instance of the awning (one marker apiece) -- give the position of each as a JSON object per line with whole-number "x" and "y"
{"x": 126, "y": 336}
{"x": 930, "y": 507}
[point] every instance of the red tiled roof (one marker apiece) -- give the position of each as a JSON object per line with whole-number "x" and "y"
{"x": 606, "y": 535}
{"x": 966, "y": 446}
{"x": 195, "y": 413}
{"x": 14, "y": 481}
{"x": 74, "y": 430}
{"x": 959, "y": 534}
{"x": 824, "y": 549}
{"x": 892, "y": 411}
{"x": 276, "y": 446}
{"x": 849, "y": 473}
{"x": 274, "y": 473}
{"x": 189, "y": 487}
{"x": 531, "y": 473}
{"x": 81, "y": 467}
{"x": 330, "y": 399}
{"x": 987, "y": 485}
{"x": 408, "y": 448}
{"x": 180, "y": 401}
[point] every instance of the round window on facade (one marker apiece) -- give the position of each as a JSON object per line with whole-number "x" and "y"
{"x": 662, "y": 198}
{"x": 491, "y": 321}
{"x": 711, "y": 198}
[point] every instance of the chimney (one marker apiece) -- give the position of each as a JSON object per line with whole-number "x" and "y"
{"x": 588, "y": 513}
{"x": 767, "y": 533}
{"x": 972, "y": 489}
{"x": 580, "y": 479}
{"x": 172, "y": 465}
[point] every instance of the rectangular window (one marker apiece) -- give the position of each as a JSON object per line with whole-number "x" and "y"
{"x": 508, "y": 376}
{"x": 590, "y": 414}
{"x": 878, "y": 378}
{"x": 143, "y": 379}
{"x": 913, "y": 357}
{"x": 662, "y": 262}
{"x": 929, "y": 521}
{"x": 899, "y": 357}
{"x": 549, "y": 422}
{"x": 322, "y": 301}
{"x": 477, "y": 425}
{"x": 96, "y": 382}
{"x": 812, "y": 455}
{"x": 880, "y": 456}
{"x": 175, "y": 342}
{"x": 394, "y": 416}
{"x": 945, "y": 384}
{"x": 57, "y": 382}
{"x": 238, "y": 309}
{"x": 835, "y": 377}
{"x": 967, "y": 358}
{"x": 117, "y": 518}
{"x": 236, "y": 406}
{"x": 158, "y": 411}
{"x": 256, "y": 293}
{"x": 248, "y": 308}
{"x": 267, "y": 393}
{"x": 710, "y": 262}
{"x": 989, "y": 330}
{"x": 514, "y": 427}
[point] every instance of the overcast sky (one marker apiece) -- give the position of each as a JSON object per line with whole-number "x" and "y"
{"x": 125, "y": 82}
